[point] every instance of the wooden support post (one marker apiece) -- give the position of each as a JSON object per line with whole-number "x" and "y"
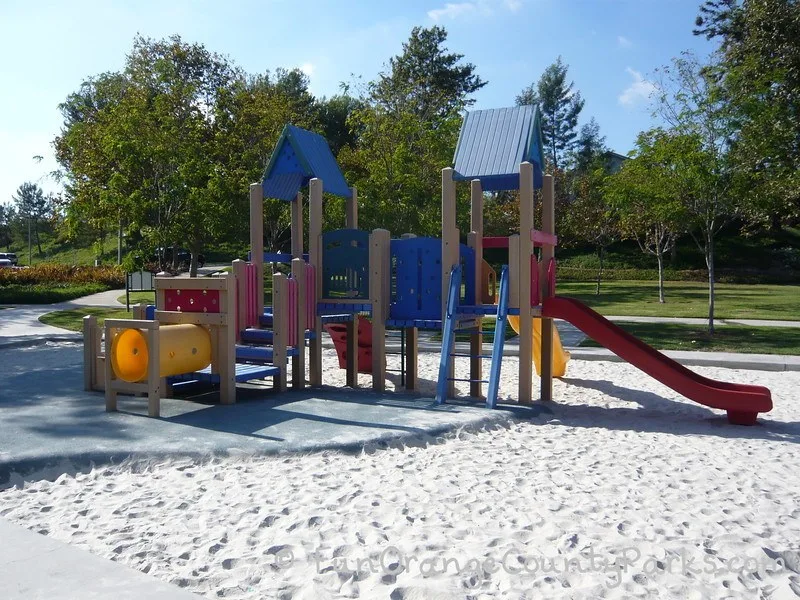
{"x": 351, "y": 365}
{"x": 548, "y": 251}
{"x": 315, "y": 258}
{"x": 351, "y": 210}
{"x": 475, "y": 241}
{"x": 256, "y": 241}
{"x": 280, "y": 301}
{"x": 227, "y": 342}
{"x": 299, "y": 361}
{"x": 297, "y": 226}
{"x": 154, "y": 381}
{"x": 450, "y": 254}
{"x": 140, "y": 311}
{"x": 378, "y": 292}
{"x": 110, "y": 392}
{"x": 523, "y": 271}
{"x": 412, "y": 358}
{"x": 89, "y": 352}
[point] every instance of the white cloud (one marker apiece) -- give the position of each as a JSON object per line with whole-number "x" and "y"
{"x": 452, "y": 11}
{"x": 624, "y": 42}
{"x": 456, "y": 10}
{"x": 639, "y": 90}
{"x": 307, "y": 68}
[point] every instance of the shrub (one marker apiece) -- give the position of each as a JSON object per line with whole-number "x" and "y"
{"x": 51, "y": 273}
{"x": 700, "y": 275}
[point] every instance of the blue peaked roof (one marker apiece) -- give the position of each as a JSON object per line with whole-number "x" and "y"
{"x": 300, "y": 156}
{"x": 492, "y": 144}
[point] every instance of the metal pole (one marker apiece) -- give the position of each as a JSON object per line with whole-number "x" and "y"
{"x": 30, "y": 253}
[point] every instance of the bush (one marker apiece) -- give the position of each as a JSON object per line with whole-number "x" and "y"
{"x": 51, "y": 273}
{"x": 700, "y": 275}
{"x": 46, "y": 293}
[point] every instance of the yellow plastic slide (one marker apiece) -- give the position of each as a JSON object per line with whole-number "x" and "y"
{"x": 560, "y": 356}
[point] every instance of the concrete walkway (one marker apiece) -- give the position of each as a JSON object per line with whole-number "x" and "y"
{"x": 34, "y": 566}
{"x": 21, "y": 321}
{"x": 696, "y": 321}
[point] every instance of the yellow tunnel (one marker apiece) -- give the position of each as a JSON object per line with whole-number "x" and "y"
{"x": 560, "y": 356}
{"x": 182, "y": 349}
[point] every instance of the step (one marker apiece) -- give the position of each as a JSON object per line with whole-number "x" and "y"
{"x": 244, "y": 372}
{"x": 265, "y": 336}
{"x": 259, "y": 353}
{"x": 477, "y": 309}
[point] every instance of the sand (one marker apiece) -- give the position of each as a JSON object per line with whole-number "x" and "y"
{"x": 621, "y": 489}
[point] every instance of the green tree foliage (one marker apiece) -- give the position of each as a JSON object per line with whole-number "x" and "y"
{"x": 589, "y": 145}
{"x": 6, "y": 219}
{"x": 759, "y": 75}
{"x": 407, "y": 124}
{"x": 701, "y": 121}
{"x": 34, "y": 207}
{"x": 560, "y": 106}
{"x": 589, "y": 217}
{"x": 647, "y": 194}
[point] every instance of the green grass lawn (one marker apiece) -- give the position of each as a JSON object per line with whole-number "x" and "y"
{"x": 47, "y": 293}
{"x": 688, "y": 299}
{"x": 73, "y": 319}
{"x": 728, "y": 338}
{"x": 139, "y": 297}
{"x": 63, "y": 252}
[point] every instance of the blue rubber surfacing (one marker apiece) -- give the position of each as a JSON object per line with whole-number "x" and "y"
{"x": 48, "y": 421}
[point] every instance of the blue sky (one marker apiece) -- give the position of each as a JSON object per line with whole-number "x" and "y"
{"x": 612, "y": 48}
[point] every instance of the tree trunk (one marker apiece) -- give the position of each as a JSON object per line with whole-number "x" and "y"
{"x": 601, "y": 253}
{"x": 175, "y": 264}
{"x": 660, "y": 257}
{"x": 38, "y": 241}
{"x": 195, "y": 250}
{"x": 711, "y": 292}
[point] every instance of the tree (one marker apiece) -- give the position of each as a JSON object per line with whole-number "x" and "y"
{"x": 425, "y": 79}
{"x": 143, "y": 143}
{"x": 590, "y": 218}
{"x": 560, "y": 107}
{"x": 588, "y": 146}
{"x": 690, "y": 102}
{"x": 34, "y": 206}
{"x": 648, "y": 197}
{"x": 407, "y": 124}
{"x": 759, "y": 75}
{"x": 6, "y": 218}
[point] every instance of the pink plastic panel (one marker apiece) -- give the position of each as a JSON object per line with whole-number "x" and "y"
{"x": 535, "y": 290}
{"x": 193, "y": 301}
{"x": 551, "y": 277}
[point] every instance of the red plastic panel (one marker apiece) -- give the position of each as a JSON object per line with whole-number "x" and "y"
{"x": 192, "y": 301}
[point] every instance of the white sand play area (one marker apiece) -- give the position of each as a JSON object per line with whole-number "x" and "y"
{"x": 621, "y": 489}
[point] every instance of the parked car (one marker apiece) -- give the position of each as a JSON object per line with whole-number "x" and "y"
{"x": 11, "y": 257}
{"x": 184, "y": 257}
{"x": 4, "y": 262}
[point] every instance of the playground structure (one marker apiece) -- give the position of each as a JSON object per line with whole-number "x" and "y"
{"x": 408, "y": 283}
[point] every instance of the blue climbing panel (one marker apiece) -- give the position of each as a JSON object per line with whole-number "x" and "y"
{"x": 416, "y": 292}
{"x": 345, "y": 264}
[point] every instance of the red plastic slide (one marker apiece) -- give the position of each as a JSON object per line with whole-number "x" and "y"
{"x": 743, "y": 402}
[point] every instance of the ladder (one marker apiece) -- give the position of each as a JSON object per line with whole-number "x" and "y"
{"x": 453, "y": 313}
